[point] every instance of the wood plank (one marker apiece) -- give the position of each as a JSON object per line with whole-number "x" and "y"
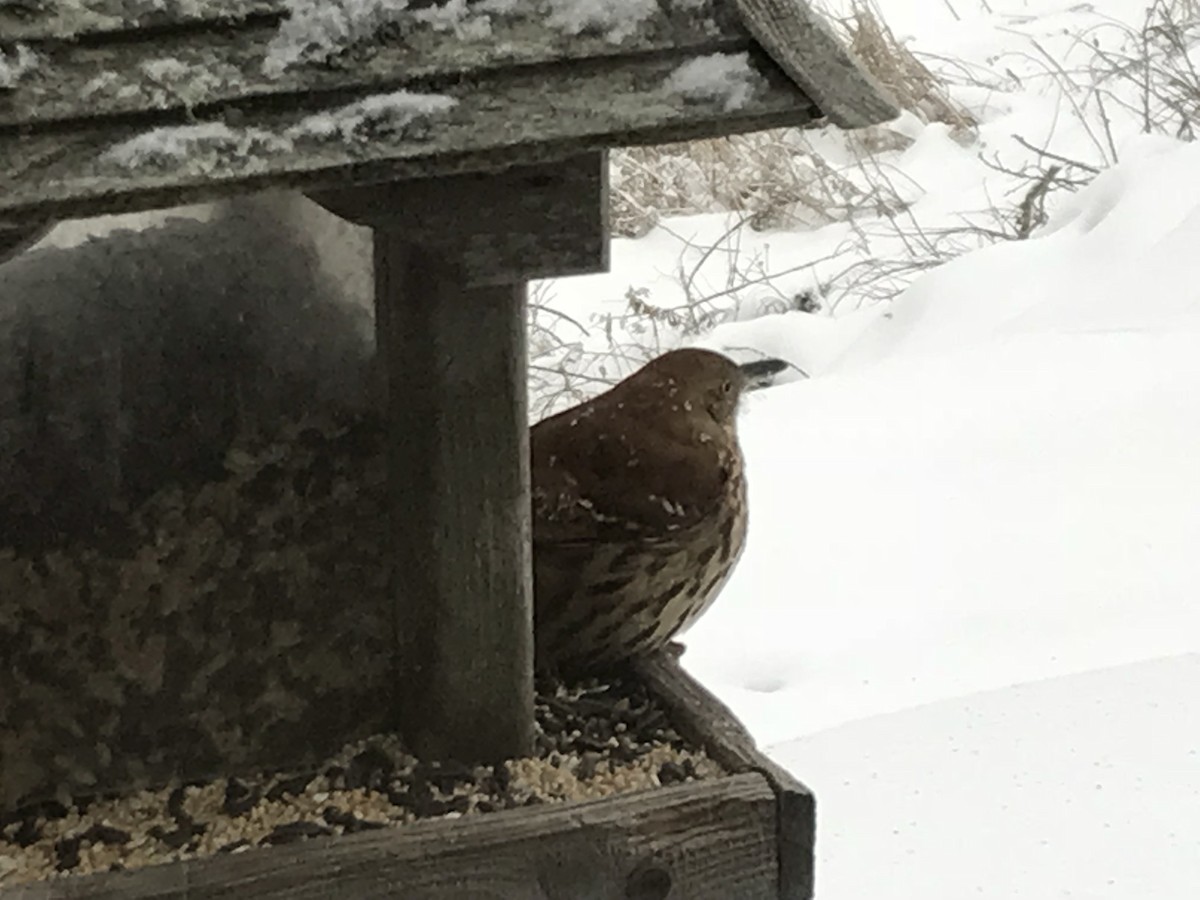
{"x": 221, "y": 69}
{"x": 702, "y": 718}
{"x": 804, "y": 46}
{"x": 34, "y": 20}
{"x": 516, "y": 117}
{"x": 538, "y": 221}
{"x": 458, "y": 472}
{"x": 709, "y": 840}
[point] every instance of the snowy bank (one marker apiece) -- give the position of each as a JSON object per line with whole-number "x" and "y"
{"x": 1079, "y": 787}
{"x": 995, "y": 484}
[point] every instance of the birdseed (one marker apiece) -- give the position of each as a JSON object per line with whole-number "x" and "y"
{"x": 593, "y": 739}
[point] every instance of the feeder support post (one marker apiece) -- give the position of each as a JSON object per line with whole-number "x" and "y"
{"x": 452, "y": 257}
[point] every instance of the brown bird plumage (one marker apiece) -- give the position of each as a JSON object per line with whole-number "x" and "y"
{"x": 639, "y": 510}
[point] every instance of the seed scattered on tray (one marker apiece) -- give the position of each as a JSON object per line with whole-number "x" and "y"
{"x": 594, "y": 739}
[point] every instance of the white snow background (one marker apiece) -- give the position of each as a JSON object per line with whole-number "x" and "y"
{"x": 996, "y": 484}
{"x": 968, "y": 615}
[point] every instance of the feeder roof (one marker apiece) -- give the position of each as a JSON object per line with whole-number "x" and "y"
{"x": 116, "y": 105}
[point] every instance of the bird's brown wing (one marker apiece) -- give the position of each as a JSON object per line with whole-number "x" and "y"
{"x": 616, "y": 479}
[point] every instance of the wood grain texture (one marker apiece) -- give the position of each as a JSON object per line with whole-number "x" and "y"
{"x": 458, "y": 474}
{"x": 704, "y": 719}
{"x": 530, "y": 222}
{"x": 74, "y": 19}
{"x": 709, "y": 840}
{"x": 194, "y": 70}
{"x": 524, "y": 117}
{"x": 803, "y": 45}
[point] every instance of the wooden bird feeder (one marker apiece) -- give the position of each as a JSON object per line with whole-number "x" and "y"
{"x": 493, "y": 175}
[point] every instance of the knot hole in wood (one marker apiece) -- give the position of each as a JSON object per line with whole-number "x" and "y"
{"x": 648, "y": 881}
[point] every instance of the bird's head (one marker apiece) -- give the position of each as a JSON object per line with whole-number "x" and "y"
{"x": 704, "y": 380}
{"x": 695, "y": 380}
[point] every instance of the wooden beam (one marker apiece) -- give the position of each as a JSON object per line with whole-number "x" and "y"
{"x": 533, "y": 221}
{"x": 451, "y": 259}
{"x": 458, "y": 448}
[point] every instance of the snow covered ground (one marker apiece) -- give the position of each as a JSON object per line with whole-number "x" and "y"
{"x": 987, "y": 482}
{"x": 1079, "y": 787}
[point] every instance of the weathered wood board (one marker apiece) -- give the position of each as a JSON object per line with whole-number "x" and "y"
{"x": 201, "y": 69}
{"x": 523, "y": 90}
{"x": 710, "y": 840}
{"x": 461, "y": 586}
{"x": 26, "y": 20}
{"x": 517, "y": 117}
{"x": 537, "y": 221}
{"x": 702, "y": 718}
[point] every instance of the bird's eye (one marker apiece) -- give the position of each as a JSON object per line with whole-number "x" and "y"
{"x": 727, "y": 387}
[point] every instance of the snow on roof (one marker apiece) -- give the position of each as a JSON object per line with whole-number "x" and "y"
{"x": 315, "y": 29}
{"x": 15, "y": 64}
{"x": 318, "y": 29}
{"x": 103, "y": 81}
{"x": 454, "y": 16}
{"x": 165, "y": 69}
{"x": 168, "y": 79}
{"x": 721, "y": 76}
{"x": 399, "y": 113}
{"x": 203, "y": 144}
{"x": 615, "y": 19}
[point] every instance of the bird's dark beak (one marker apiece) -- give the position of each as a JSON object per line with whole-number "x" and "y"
{"x": 760, "y": 373}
